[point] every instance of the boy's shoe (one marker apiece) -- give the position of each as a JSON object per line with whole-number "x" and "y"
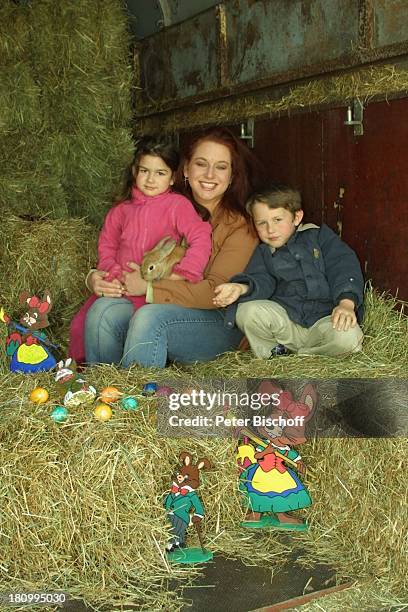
{"x": 278, "y": 351}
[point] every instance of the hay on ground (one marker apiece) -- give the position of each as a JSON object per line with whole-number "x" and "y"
{"x": 81, "y": 502}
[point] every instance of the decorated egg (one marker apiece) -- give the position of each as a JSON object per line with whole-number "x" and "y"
{"x": 164, "y": 391}
{"x": 150, "y": 388}
{"x": 39, "y": 395}
{"x": 129, "y": 403}
{"x": 59, "y": 414}
{"x": 103, "y": 412}
{"x": 110, "y": 395}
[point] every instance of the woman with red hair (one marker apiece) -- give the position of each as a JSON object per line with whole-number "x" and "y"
{"x": 180, "y": 322}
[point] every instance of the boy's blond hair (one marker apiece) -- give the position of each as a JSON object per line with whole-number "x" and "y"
{"x": 276, "y": 196}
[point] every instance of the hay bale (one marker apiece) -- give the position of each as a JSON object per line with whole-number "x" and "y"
{"x": 19, "y": 99}
{"x": 46, "y": 254}
{"x": 81, "y": 504}
{"x": 65, "y": 106}
{"x": 14, "y": 33}
{"x": 79, "y": 508}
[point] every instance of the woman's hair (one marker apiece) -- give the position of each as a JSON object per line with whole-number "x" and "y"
{"x": 247, "y": 173}
{"x": 277, "y": 195}
{"x": 158, "y": 146}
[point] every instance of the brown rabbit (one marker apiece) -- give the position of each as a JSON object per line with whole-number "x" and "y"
{"x": 158, "y": 262}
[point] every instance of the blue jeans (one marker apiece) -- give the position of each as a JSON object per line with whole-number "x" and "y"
{"x": 155, "y": 333}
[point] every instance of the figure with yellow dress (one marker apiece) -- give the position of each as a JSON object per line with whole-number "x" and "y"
{"x": 270, "y": 468}
{"x": 26, "y": 343}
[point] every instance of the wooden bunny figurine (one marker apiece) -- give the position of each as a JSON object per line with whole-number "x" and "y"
{"x": 183, "y": 502}
{"x": 73, "y": 389}
{"x": 158, "y": 262}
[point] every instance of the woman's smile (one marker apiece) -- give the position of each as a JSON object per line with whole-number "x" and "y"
{"x": 209, "y": 173}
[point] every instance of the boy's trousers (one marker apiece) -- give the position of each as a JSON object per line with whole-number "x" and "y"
{"x": 266, "y": 324}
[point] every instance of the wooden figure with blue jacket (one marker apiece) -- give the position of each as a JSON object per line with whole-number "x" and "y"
{"x": 302, "y": 291}
{"x": 183, "y": 502}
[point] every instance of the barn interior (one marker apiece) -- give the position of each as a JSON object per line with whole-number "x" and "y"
{"x": 318, "y": 91}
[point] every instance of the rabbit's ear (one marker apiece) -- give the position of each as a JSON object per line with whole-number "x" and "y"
{"x": 160, "y": 244}
{"x": 309, "y": 398}
{"x": 166, "y": 248}
{"x": 203, "y": 463}
{"x": 185, "y": 458}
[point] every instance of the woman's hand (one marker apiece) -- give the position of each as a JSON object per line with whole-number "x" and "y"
{"x": 104, "y": 288}
{"x": 227, "y": 293}
{"x": 134, "y": 283}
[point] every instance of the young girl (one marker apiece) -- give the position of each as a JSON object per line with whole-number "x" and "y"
{"x": 149, "y": 212}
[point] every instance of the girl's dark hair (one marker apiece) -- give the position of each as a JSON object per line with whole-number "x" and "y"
{"x": 247, "y": 172}
{"x": 158, "y": 146}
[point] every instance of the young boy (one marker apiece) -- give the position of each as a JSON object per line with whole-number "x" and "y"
{"x": 302, "y": 291}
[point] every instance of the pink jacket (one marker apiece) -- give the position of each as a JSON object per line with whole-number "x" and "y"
{"x": 135, "y": 226}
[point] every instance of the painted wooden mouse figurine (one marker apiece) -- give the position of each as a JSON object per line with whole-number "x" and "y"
{"x": 27, "y": 344}
{"x": 270, "y": 482}
{"x": 183, "y": 502}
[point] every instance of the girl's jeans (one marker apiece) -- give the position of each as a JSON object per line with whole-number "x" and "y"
{"x": 155, "y": 333}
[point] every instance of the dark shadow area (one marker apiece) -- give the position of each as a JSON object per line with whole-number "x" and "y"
{"x": 227, "y": 585}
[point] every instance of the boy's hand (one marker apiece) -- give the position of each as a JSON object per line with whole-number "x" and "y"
{"x": 343, "y": 315}
{"x": 227, "y": 293}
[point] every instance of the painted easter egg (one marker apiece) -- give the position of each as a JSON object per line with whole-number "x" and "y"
{"x": 150, "y": 388}
{"x": 103, "y": 412}
{"x": 39, "y": 395}
{"x": 129, "y": 403}
{"x": 59, "y": 414}
{"x": 164, "y": 391}
{"x": 110, "y": 395}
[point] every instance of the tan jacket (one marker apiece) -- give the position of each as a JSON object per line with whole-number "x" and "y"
{"x": 232, "y": 246}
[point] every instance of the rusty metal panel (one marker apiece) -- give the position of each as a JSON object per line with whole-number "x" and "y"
{"x": 391, "y": 21}
{"x": 181, "y": 61}
{"x": 276, "y": 36}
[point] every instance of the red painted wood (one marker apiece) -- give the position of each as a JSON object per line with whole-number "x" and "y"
{"x": 373, "y": 171}
{"x": 320, "y": 155}
{"x": 291, "y": 150}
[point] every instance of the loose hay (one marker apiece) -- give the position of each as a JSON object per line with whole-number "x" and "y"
{"x": 364, "y": 83}
{"x": 81, "y": 503}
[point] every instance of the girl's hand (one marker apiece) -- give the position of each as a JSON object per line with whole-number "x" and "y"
{"x": 343, "y": 315}
{"x": 174, "y": 276}
{"x": 134, "y": 283}
{"x": 104, "y": 288}
{"x": 227, "y": 293}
